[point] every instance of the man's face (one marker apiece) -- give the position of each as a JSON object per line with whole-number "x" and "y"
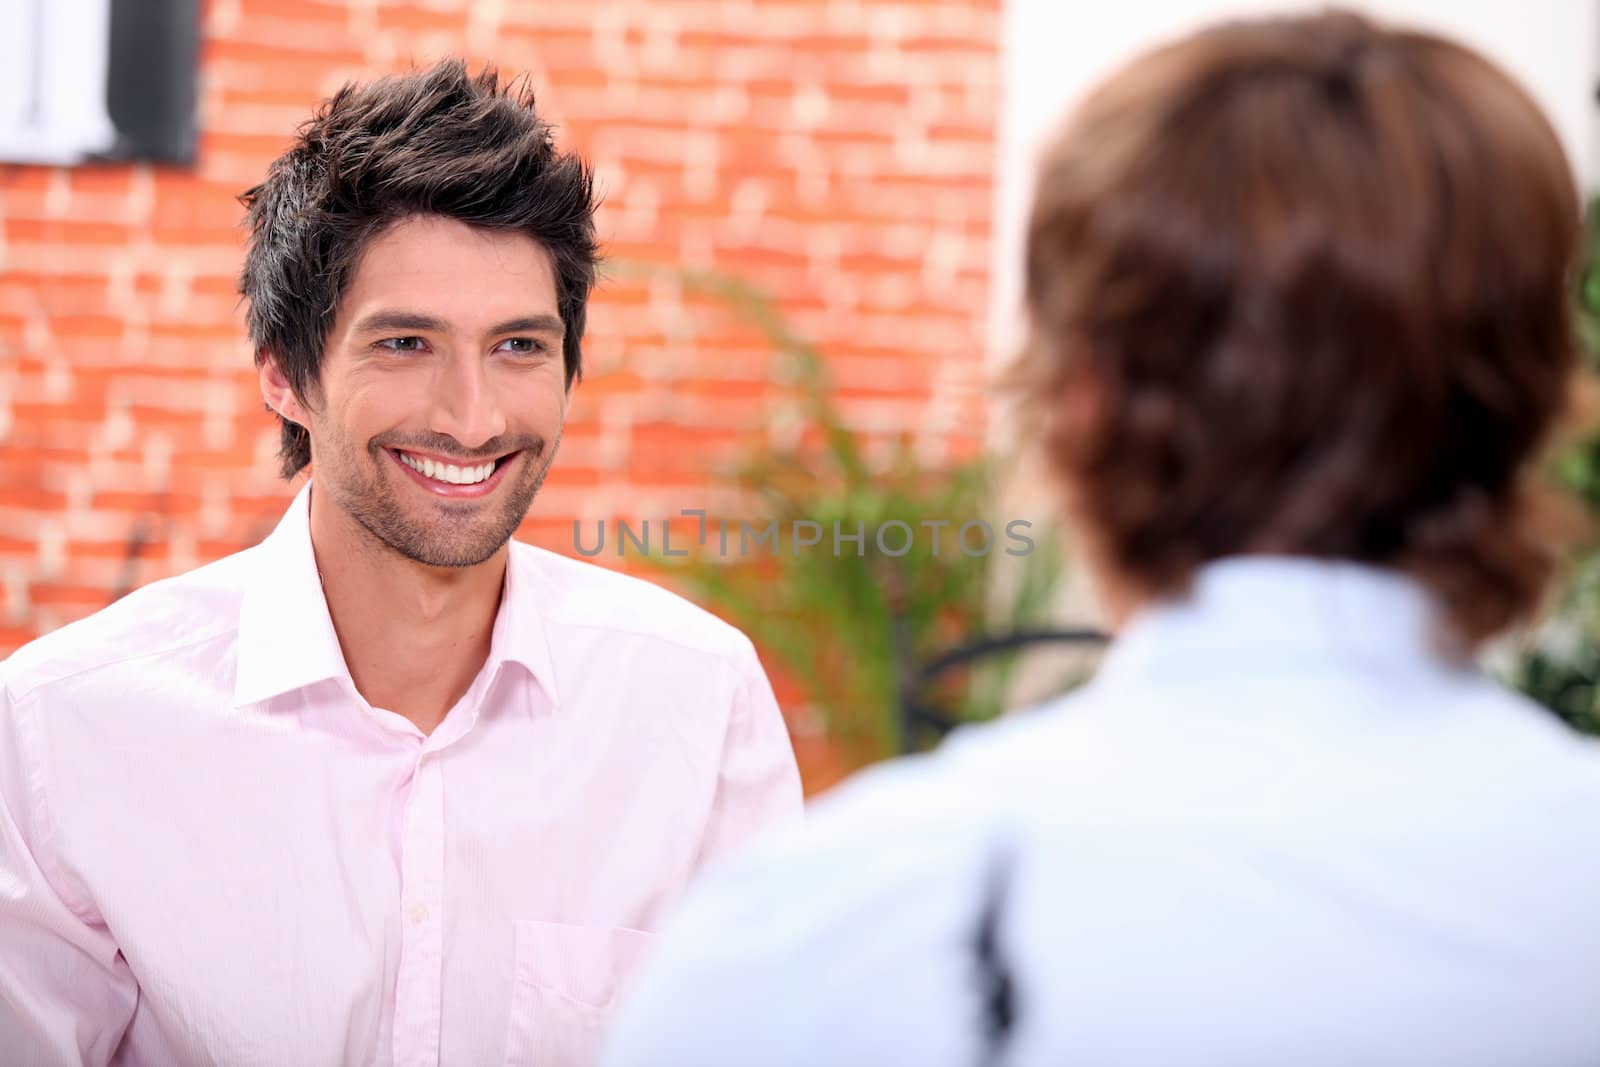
{"x": 443, "y": 391}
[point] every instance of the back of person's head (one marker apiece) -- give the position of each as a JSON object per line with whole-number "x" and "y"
{"x": 1302, "y": 287}
{"x": 432, "y": 142}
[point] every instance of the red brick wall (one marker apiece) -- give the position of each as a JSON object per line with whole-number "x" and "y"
{"x": 834, "y": 152}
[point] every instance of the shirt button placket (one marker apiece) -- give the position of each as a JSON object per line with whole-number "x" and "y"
{"x": 417, "y": 991}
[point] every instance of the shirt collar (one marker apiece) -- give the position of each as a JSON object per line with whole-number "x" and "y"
{"x": 1284, "y": 610}
{"x": 286, "y": 635}
{"x": 519, "y": 628}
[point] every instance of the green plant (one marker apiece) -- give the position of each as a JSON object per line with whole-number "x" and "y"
{"x": 1560, "y": 665}
{"x": 842, "y": 624}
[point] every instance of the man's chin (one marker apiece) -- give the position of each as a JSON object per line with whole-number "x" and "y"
{"x": 451, "y": 556}
{"x": 463, "y": 539}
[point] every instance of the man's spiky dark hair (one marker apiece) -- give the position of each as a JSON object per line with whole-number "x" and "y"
{"x": 432, "y": 142}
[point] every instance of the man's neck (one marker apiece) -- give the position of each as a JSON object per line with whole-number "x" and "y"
{"x": 414, "y": 637}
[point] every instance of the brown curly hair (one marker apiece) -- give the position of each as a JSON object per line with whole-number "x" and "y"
{"x": 1303, "y": 286}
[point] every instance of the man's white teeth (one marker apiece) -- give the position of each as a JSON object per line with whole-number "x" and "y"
{"x": 447, "y": 472}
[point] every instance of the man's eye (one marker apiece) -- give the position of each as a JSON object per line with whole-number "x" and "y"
{"x": 523, "y": 345}
{"x": 403, "y": 344}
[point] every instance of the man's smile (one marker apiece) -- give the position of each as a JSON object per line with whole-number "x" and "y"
{"x": 449, "y": 477}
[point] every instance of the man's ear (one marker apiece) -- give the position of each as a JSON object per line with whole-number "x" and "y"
{"x": 277, "y": 392}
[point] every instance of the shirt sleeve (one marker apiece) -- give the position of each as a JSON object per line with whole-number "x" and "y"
{"x": 758, "y": 781}
{"x": 66, "y": 994}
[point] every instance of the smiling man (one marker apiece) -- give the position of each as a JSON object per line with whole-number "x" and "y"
{"x": 389, "y": 787}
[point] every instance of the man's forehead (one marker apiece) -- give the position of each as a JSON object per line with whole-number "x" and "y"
{"x": 447, "y": 270}
{"x": 432, "y": 245}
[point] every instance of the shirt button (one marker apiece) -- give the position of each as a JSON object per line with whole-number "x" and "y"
{"x": 419, "y": 912}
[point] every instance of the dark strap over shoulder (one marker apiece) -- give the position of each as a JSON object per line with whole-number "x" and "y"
{"x": 995, "y": 979}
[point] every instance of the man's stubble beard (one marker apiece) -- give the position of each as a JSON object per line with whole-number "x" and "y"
{"x": 438, "y": 542}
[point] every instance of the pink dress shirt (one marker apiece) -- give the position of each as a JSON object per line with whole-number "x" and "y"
{"x": 214, "y": 851}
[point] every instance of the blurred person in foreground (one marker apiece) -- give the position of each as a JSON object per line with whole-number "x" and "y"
{"x": 389, "y": 787}
{"x": 1300, "y": 314}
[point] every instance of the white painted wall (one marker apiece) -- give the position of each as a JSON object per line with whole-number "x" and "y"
{"x": 54, "y": 57}
{"x": 1055, "y": 50}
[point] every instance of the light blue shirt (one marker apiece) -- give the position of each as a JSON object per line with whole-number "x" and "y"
{"x": 1279, "y": 828}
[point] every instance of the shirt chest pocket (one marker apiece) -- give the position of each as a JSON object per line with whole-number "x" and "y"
{"x": 567, "y": 981}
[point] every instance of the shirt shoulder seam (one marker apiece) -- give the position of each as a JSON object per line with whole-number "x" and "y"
{"x": 164, "y": 650}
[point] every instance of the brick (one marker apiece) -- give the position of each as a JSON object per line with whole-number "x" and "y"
{"x": 87, "y": 327}
{"x": 78, "y": 598}
{"x": 17, "y": 178}
{"x": 66, "y": 233}
{"x": 60, "y": 296}
{"x": 417, "y": 18}
{"x": 950, "y": 49}
{"x": 283, "y": 71}
{"x": 264, "y": 146}
{"x": 14, "y": 637}
{"x": 34, "y": 498}
{"x": 228, "y": 99}
{"x": 101, "y": 180}
{"x": 308, "y": 48}
{"x": 215, "y": 285}
{"x": 306, "y": 14}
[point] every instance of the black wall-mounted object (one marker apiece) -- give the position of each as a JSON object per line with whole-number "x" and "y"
{"x": 154, "y": 70}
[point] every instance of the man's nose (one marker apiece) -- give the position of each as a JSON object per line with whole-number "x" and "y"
{"x": 466, "y": 407}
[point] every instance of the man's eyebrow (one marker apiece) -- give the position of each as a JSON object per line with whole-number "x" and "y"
{"x": 531, "y": 324}
{"x": 381, "y": 321}
{"x": 400, "y": 320}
